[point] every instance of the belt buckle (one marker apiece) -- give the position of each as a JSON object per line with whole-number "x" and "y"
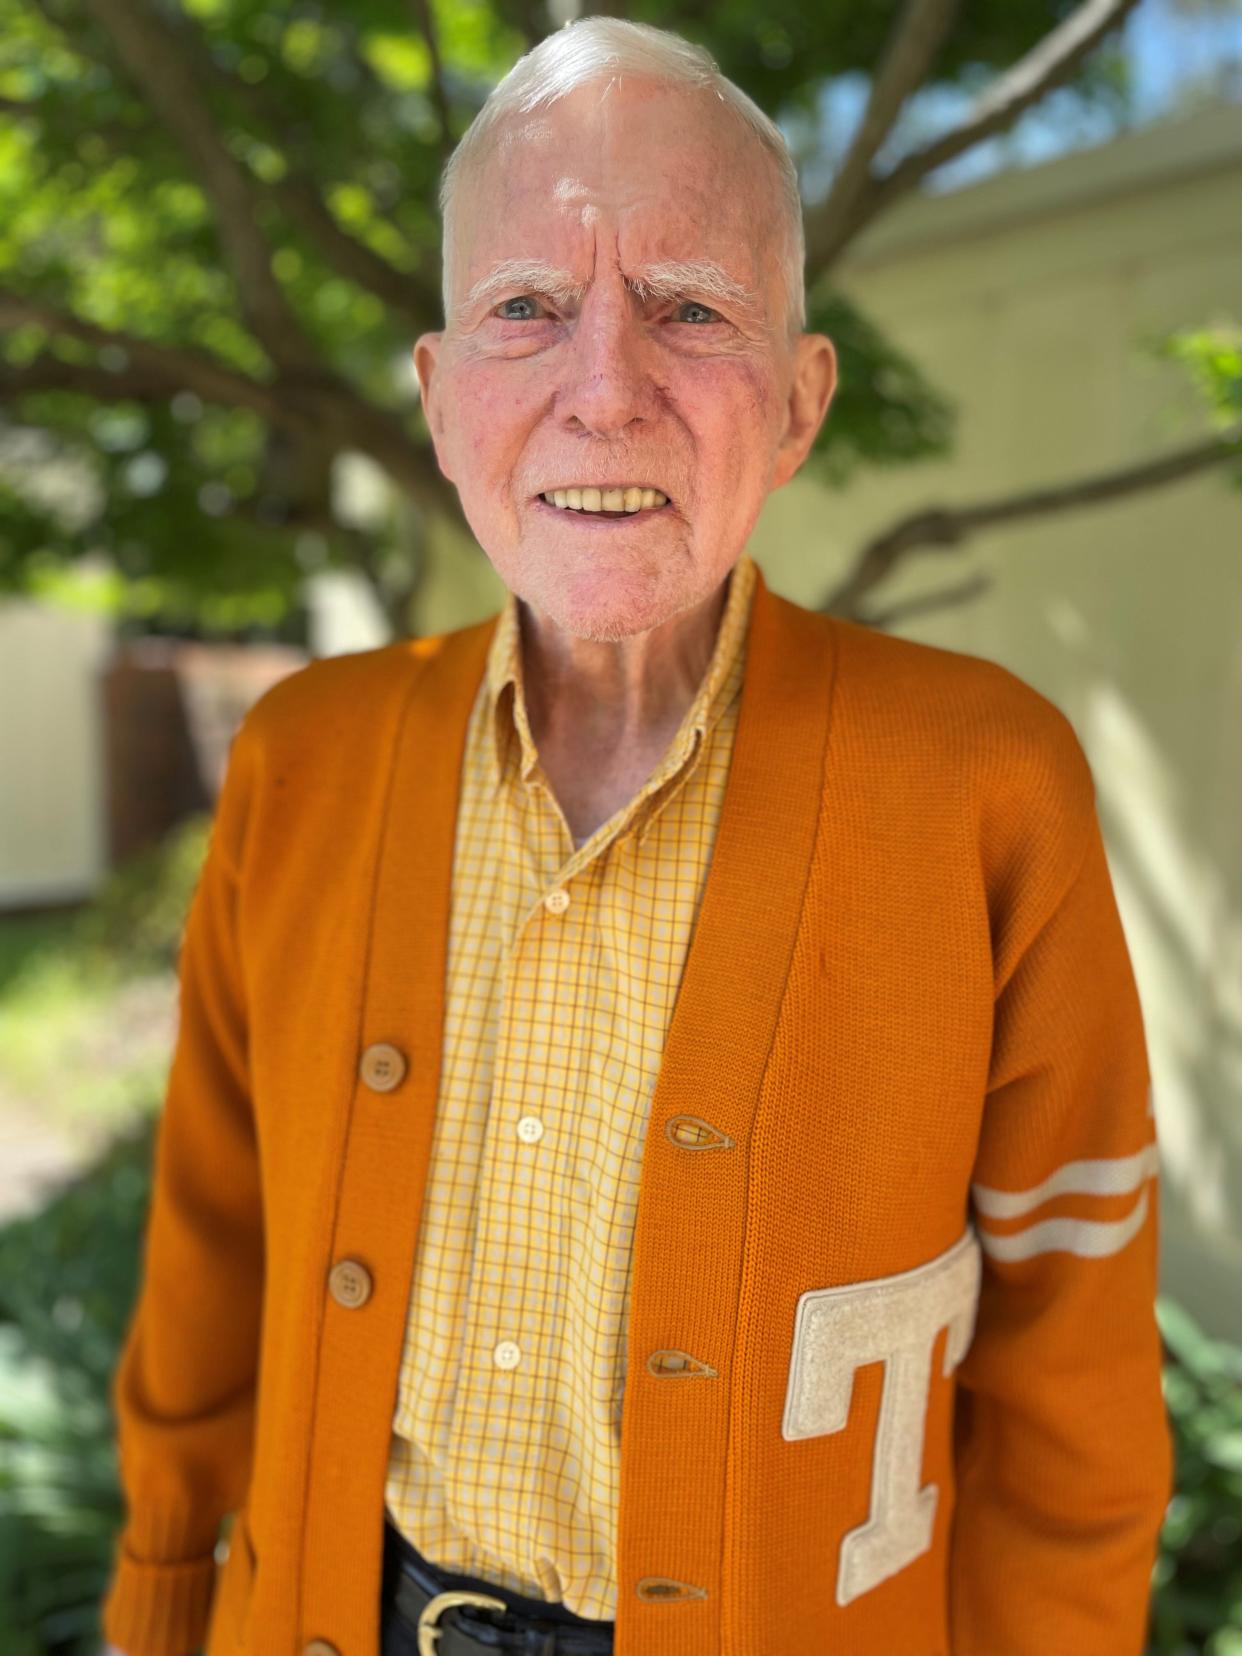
{"x": 429, "y": 1633}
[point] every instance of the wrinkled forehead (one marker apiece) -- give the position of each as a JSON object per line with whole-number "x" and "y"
{"x": 671, "y": 174}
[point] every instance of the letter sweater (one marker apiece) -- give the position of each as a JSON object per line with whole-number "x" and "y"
{"x": 910, "y": 1246}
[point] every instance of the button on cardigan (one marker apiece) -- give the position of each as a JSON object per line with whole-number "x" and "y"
{"x": 556, "y": 1013}
{"x": 898, "y": 1192}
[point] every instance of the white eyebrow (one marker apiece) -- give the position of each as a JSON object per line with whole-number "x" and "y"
{"x": 526, "y": 275}
{"x": 676, "y": 277}
{"x": 669, "y": 279}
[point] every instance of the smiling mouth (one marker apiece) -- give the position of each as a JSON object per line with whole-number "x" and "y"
{"x": 613, "y": 502}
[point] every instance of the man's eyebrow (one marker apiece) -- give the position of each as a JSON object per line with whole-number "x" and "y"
{"x": 668, "y": 279}
{"x": 523, "y": 275}
{"x": 674, "y": 278}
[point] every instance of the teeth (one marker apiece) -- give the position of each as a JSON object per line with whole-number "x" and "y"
{"x": 631, "y": 499}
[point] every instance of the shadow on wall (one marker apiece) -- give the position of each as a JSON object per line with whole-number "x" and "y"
{"x": 1183, "y": 924}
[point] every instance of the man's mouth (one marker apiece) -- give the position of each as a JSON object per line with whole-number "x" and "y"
{"x": 617, "y": 501}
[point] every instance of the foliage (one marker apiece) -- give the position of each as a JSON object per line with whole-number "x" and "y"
{"x": 136, "y": 917}
{"x": 68, "y": 1273}
{"x": 1212, "y": 356}
{"x": 132, "y": 925}
{"x": 59, "y": 1511}
{"x": 88, "y": 996}
{"x": 1198, "y": 1598}
{"x": 67, "y": 1281}
{"x": 103, "y": 217}
{"x": 884, "y": 412}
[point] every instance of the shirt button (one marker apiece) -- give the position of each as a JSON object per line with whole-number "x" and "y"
{"x": 530, "y": 1129}
{"x": 556, "y": 902}
{"x": 507, "y": 1355}
{"x": 349, "y": 1283}
{"x": 382, "y": 1067}
{"x": 320, "y": 1647}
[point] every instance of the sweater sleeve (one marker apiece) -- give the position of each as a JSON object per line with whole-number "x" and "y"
{"x": 1062, "y": 1450}
{"x": 183, "y": 1389}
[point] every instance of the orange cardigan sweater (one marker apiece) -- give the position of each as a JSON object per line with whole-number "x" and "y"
{"x": 898, "y": 1196}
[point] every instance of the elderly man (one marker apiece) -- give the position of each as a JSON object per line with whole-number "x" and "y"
{"x": 658, "y": 1155}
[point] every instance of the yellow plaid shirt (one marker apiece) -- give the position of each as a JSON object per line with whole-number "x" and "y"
{"x": 563, "y": 967}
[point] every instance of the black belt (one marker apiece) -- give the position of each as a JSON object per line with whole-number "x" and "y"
{"x": 448, "y": 1619}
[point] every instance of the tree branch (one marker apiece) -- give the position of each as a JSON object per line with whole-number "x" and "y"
{"x": 49, "y": 373}
{"x": 162, "y": 68}
{"x": 1049, "y": 64}
{"x": 409, "y": 294}
{"x": 174, "y": 367}
{"x": 404, "y": 293}
{"x": 601, "y": 8}
{"x": 916, "y": 37}
{"x": 412, "y": 465}
{"x": 364, "y": 552}
{"x": 948, "y": 597}
{"x": 439, "y": 94}
{"x": 946, "y": 527}
{"x": 413, "y": 295}
{"x": 321, "y": 413}
{"x": 329, "y": 412}
{"x": 532, "y": 19}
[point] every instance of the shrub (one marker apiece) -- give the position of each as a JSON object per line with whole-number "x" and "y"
{"x": 68, "y": 1276}
{"x": 1197, "y": 1604}
{"x": 136, "y": 918}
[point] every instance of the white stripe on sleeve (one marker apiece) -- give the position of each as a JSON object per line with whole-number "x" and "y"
{"x": 1106, "y": 1176}
{"x": 1088, "y": 1238}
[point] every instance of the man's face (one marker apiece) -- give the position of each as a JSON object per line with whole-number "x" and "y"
{"x": 704, "y": 398}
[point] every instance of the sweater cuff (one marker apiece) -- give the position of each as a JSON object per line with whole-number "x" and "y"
{"x": 158, "y": 1609}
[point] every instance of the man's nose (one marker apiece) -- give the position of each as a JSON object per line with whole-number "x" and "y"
{"x": 607, "y": 383}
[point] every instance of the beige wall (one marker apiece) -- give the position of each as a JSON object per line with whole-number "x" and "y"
{"x": 51, "y": 767}
{"x": 1025, "y": 299}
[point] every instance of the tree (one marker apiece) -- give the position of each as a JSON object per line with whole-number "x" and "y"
{"x": 219, "y": 234}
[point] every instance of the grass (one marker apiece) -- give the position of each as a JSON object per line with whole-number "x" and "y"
{"x": 88, "y": 997}
{"x": 75, "y": 1032}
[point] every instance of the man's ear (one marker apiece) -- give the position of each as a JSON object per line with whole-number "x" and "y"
{"x": 426, "y": 357}
{"x": 811, "y": 391}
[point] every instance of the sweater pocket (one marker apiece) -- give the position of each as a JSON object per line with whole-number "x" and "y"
{"x": 230, "y": 1614}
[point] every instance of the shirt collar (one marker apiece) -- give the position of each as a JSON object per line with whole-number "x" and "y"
{"x": 507, "y": 712}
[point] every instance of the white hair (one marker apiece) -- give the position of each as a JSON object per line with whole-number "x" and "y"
{"x": 587, "y": 50}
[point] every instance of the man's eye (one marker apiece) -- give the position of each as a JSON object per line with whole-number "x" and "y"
{"x": 527, "y": 299}
{"x": 706, "y": 313}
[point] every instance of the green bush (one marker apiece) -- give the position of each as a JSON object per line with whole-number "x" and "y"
{"x": 136, "y": 918}
{"x": 1198, "y": 1580}
{"x": 68, "y": 1276}
{"x": 59, "y": 1509}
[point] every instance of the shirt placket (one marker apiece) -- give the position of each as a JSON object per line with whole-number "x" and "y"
{"x": 504, "y": 1382}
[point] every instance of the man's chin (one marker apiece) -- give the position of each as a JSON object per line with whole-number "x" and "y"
{"x": 603, "y": 622}
{"x": 604, "y": 601}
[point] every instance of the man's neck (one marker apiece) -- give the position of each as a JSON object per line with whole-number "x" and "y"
{"x": 602, "y": 714}
{"x": 609, "y": 699}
